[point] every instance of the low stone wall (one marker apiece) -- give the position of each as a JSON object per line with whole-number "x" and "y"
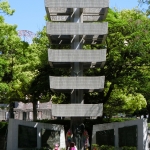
{"x": 140, "y": 130}
{"x": 40, "y": 134}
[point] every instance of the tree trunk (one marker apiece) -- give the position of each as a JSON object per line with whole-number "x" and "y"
{"x": 11, "y": 110}
{"x": 34, "y": 110}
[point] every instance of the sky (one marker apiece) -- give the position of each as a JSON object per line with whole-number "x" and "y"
{"x": 29, "y": 14}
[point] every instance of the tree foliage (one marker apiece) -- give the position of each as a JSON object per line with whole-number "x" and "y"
{"x": 147, "y": 4}
{"x": 5, "y": 8}
{"x": 24, "y": 68}
{"x": 10, "y": 45}
{"x": 40, "y": 84}
{"x": 128, "y": 57}
{"x": 127, "y": 63}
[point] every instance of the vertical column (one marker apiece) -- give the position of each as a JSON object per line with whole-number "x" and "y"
{"x": 140, "y": 135}
{"x": 116, "y": 135}
{"x": 21, "y": 115}
{"x": 39, "y": 137}
{"x": 77, "y": 67}
{"x": 77, "y": 70}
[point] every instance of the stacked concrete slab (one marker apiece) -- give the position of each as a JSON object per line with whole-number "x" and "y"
{"x": 72, "y": 23}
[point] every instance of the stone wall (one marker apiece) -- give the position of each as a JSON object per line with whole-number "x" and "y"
{"x": 41, "y": 133}
{"x": 141, "y": 132}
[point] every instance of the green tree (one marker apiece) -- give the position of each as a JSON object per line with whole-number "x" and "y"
{"x": 35, "y": 73}
{"x": 39, "y": 89}
{"x": 11, "y": 54}
{"x": 8, "y": 34}
{"x": 22, "y": 66}
{"x": 127, "y": 62}
{"x": 126, "y": 66}
{"x": 127, "y": 57}
{"x": 5, "y": 8}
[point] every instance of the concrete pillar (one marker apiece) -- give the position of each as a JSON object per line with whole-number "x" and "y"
{"x": 77, "y": 70}
{"x": 20, "y": 115}
{"x": 77, "y": 67}
{"x": 116, "y": 136}
{"x": 39, "y": 138}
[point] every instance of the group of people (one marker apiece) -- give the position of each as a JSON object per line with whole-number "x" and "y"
{"x": 77, "y": 138}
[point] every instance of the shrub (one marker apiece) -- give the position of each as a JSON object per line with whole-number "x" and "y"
{"x": 128, "y": 148}
{"x": 95, "y": 147}
{"x": 3, "y": 127}
{"x": 108, "y": 147}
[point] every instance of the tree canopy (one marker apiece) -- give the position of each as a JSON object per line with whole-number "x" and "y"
{"x": 128, "y": 58}
{"x": 9, "y": 43}
{"x": 5, "y": 8}
{"x": 127, "y": 63}
{"x": 24, "y": 68}
{"x": 125, "y": 70}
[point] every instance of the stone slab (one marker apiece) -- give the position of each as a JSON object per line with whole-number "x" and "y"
{"x": 77, "y": 3}
{"x": 105, "y": 137}
{"x": 128, "y": 136}
{"x": 65, "y": 39}
{"x": 60, "y": 18}
{"x": 86, "y": 18}
{"x": 65, "y": 14}
{"x": 77, "y": 110}
{"x": 59, "y": 10}
{"x": 27, "y": 137}
{"x": 77, "y": 55}
{"x": 100, "y": 11}
{"x": 77, "y": 28}
{"x": 79, "y": 82}
{"x": 66, "y": 42}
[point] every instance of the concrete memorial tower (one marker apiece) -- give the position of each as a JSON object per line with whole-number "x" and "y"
{"x": 77, "y": 23}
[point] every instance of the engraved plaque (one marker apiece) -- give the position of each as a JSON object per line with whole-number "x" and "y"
{"x": 49, "y": 138}
{"x": 128, "y": 136}
{"x": 27, "y": 137}
{"x": 105, "y": 137}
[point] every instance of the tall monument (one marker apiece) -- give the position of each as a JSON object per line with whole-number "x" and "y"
{"x": 77, "y": 23}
